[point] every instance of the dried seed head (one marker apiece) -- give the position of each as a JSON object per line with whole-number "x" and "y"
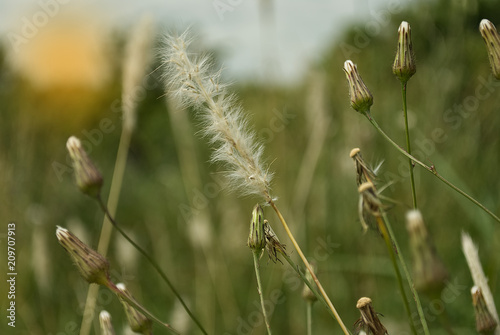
{"x": 404, "y": 64}
{"x": 485, "y": 323}
{"x": 361, "y": 98}
{"x": 105, "y": 322}
{"x": 428, "y": 270}
{"x": 369, "y": 321}
{"x": 257, "y": 238}
{"x": 363, "y": 172}
{"x": 273, "y": 244}
{"x": 88, "y": 178}
{"x": 93, "y": 267}
{"x": 137, "y": 321}
{"x": 492, "y": 40}
{"x": 307, "y": 294}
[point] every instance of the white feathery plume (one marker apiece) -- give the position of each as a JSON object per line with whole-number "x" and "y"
{"x": 138, "y": 54}
{"x": 191, "y": 80}
{"x": 480, "y": 280}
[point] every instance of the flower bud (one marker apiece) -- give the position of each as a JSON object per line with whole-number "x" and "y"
{"x": 428, "y": 270}
{"x": 404, "y": 64}
{"x": 492, "y": 40}
{"x": 361, "y": 98}
{"x": 369, "y": 321}
{"x": 137, "y": 321}
{"x": 307, "y": 294}
{"x": 105, "y": 322}
{"x": 88, "y": 178}
{"x": 93, "y": 267}
{"x": 485, "y": 323}
{"x": 257, "y": 238}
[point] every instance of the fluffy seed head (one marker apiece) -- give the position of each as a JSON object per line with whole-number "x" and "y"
{"x": 93, "y": 267}
{"x": 88, "y": 178}
{"x": 404, "y": 64}
{"x": 192, "y": 81}
{"x": 492, "y": 40}
{"x": 361, "y": 98}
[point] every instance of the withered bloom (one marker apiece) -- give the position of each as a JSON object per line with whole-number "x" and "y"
{"x": 369, "y": 321}
{"x": 273, "y": 244}
{"x": 485, "y": 323}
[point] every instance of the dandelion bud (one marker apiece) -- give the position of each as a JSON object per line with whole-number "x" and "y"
{"x": 428, "y": 269}
{"x": 485, "y": 323}
{"x": 492, "y": 40}
{"x": 137, "y": 321}
{"x": 105, "y": 322}
{"x": 369, "y": 321}
{"x": 88, "y": 178}
{"x": 93, "y": 267}
{"x": 404, "y": 63}
{"x": 307, "y": 294}
{"x": 361, "y": 98}
{"x": 257, "y": 238}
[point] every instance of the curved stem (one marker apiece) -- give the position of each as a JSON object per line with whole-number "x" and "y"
{"x": 420, "y": 311}
{"x": 259, "y": 288}
{"x": 309, "y": 317}
{"x": 152, "y": 262}
{"x": 408, "y": 145}
{"x": 431, "y": 169}
{"x": 308, "y": 266}
{"x": 383, "y": 230}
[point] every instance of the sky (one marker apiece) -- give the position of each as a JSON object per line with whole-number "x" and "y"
{"x": 257, "y": 40}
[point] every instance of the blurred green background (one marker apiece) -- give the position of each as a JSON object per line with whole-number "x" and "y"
{"x": 174, "y": 203}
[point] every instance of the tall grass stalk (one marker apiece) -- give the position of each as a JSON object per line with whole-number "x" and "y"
{"x": 408, "y": 145}
{"x": 256, "y": 255}
{"x": 193, "y": 82}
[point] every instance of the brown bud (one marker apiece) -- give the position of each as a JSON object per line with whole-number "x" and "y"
{"x": 485, "y": 323}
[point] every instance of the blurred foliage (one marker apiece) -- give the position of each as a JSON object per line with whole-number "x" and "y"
{"x": 210, "y": 263}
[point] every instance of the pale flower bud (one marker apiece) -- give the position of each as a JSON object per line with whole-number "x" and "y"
{"x": 492, "y": 40}
{"x": 361, "y": 98}
{"x": 88, "y": 178}
{"x": 137, "y": 321}
{"x": 256, "y": 237}
{"x": 307, "y": 294}
{"x": 404, "y": 64}
{"x": 105, "y": 322}
{"x": 93, "y": 267}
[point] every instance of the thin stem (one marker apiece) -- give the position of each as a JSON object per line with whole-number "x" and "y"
{"x": 259, "y": 288}
{"x": 309, "y": 317}
{"x": 152, "y": 262}
{"x": 131, "y": 301}
{"x": 408, "y": 145}
{"x": 431, "y": 169}
{"x": 308, "y": 266}
{"x": 420, "y": 311}
{"x": 383, "y": 230}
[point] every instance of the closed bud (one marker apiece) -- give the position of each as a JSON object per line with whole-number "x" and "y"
{"x": 369, "y": 321}
{"x": 256, "y": 237}
{"x": 93, "y": 267}
{"x": 485, "y": 323}
{"x": 492, "y": 40}
{"x": 105, "y": 322}
{"x": 361, "y": 98}
{"x": 88, "y": 178}
{"x": 404, "y": 64}
{"x": 428, "y": 270}
{"x": 307, "y": 294}
{"x": 137, "y": 321}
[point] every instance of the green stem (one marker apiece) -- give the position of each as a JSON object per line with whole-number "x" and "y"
{"x": 408, "y": 146}
{"x": 385, "y": 234}
{"x": 152, "y": 262}
{"x": 431, "y": 169}
{"x": 131, "y": 301}
{"x": 309, "y": 317}
{"x": 420, "y": 311}
{"x": 259, "y": 288}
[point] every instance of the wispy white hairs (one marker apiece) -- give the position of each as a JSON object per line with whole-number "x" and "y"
{"x": 480, "y": 280}
{"x": 193, "y": 82}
